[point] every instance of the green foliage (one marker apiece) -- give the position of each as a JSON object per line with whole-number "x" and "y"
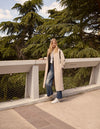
{"x": 7, "y": 47}
{"x": 22, "y": 30}
{"x": 12, "y": 86}
{"x": 10, "y": 27}
{"x": 76, "y": 77}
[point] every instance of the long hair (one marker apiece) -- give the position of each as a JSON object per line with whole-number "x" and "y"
{"x": 50, "y": 49}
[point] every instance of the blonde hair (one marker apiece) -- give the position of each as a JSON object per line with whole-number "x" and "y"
{"x": 50, "y": 47}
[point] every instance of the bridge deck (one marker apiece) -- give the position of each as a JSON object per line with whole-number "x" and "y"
{"x": 75, "y": 112}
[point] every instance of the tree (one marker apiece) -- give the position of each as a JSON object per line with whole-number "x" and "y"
{"x": 84, "y": 17}
{"x": 20, "y": 31}
{"x": 69, "y": 28}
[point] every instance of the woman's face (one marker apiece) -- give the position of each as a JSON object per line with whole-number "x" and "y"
{"x": 54, "y": 43}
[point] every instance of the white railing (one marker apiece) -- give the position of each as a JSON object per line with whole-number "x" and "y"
{"x": 32, "y": 68}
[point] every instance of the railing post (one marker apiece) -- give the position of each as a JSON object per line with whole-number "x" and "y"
{"x": 95, "y": 75}
{"x": 32, "y": 83}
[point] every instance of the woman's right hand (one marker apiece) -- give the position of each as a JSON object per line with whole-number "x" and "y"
{"x": 40, "y": 58}
{"x": 43, "y": 58}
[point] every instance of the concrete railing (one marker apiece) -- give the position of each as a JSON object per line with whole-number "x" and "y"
{"x": 32, "y": 68}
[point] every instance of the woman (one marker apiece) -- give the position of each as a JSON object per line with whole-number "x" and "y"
{"x": 55, "y": 61}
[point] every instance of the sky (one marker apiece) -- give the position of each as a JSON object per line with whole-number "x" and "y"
{"x": 7, "y": 14}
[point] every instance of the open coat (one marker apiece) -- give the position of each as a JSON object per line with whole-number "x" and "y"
{"x": 59, "y": 63}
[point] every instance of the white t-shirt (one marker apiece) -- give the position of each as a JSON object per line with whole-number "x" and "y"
{"x": 52, "y": 57}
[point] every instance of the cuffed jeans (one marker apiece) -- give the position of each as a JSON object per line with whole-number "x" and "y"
{"x": 49, "y": 82}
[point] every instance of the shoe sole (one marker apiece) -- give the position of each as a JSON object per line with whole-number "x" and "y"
{"x": 55, "y": 102}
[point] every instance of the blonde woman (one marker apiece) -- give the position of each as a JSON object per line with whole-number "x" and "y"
{"x": 55, "y": 61}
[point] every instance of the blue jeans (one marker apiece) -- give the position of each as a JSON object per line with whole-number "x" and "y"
{"x": 49, "y": 82}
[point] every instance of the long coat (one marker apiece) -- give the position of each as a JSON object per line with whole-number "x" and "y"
{"x": 59, "y": 63}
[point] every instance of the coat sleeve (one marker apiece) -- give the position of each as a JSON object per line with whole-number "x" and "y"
{"x": 62, "y": 59}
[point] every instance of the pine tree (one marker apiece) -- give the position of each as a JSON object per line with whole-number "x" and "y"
{"x": 21, "y": 30}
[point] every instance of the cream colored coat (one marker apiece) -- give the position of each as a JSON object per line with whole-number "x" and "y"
{"x": 59, "y": 63}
